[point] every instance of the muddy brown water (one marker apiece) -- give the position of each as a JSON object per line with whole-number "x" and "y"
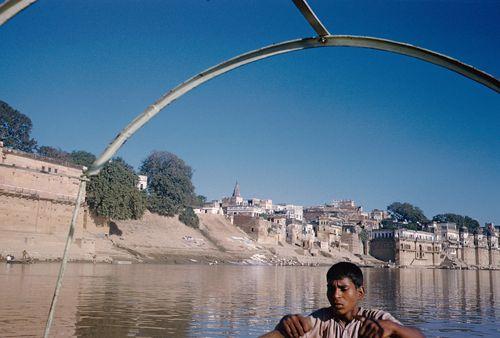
{"x": 231, "y": 301}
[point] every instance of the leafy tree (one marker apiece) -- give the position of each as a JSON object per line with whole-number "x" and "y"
{"x": 15, "y": 129}
{"x": 169, "y": 183}
{"x": 82, "y": 157}
{"x": 78, "y": 157}
{"x": 364, "y": 236}
{"x": 413, "y": 226}
{"x": 188, "y": 217}
{"x": 200, "y": 201}
{"x": 471, "y": 224}
{"x": 56, "y": 153}
{"x": 406, "y": 212}
{"x": 113, "y": 192}
{"x": 389, "y": 223}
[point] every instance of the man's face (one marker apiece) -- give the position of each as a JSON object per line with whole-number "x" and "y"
{"x": 344, "y": 296}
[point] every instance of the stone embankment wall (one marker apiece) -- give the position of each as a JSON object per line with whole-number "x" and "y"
{"x": 480, "y": 256}
{"x": 405, "y": 252}
{"x": 257, "y": 229}
{"x": 468, "y": 255}
{"x": 422, "y": 253}
{"x": 352, "y": 243}
{"x": 37, "y": 197}
{"x": 383, "y": 249}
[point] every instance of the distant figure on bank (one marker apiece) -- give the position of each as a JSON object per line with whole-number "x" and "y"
{"x": 344, "y": 318}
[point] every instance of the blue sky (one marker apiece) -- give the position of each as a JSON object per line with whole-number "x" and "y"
{"x": 304, "y": 128}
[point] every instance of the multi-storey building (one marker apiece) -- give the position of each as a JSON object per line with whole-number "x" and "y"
{"x": 408, "y": 247}
{"x": 37, "y": 197}
{"x": 405, "y": 247}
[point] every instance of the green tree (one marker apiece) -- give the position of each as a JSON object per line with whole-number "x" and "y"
{"x": 169, "y": 183}
{"x": 471, "y": 224}
{"x": 389, "y": 223}
{"x": 200, "y": 201}
{"x": 407, "y": 212}
{"x": 188, "y": 217}
{"x": 113, "y": 192}
{"x": 55, "y": 153}
{"x": 82, "y": 157}
{"x": 15, "y": 129}
{"x": 407, "y": 215}
{"x": 78, "y": 157}
{"x": 364, "y": 236}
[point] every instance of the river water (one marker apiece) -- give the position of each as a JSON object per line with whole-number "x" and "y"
{"x": 232, "y": 301}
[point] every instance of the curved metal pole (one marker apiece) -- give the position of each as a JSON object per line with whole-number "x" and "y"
{"x": 69, "y": 240}
{"x": 11, "y": 7}
{"x": 311, "y": 17}
{"x": 281, "y": 48}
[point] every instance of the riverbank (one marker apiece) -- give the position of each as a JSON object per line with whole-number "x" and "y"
{"x": 160, "y": 239}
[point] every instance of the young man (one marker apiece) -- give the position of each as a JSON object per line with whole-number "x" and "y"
{"x": 344, "y": 318}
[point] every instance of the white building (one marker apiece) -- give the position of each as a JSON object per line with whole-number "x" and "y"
{"x": 403, "y": 233}
{"x": 143, "y": 182}
{"x": 291, "y": 211}
{"x": 213, "y": 208}
{"x": 244, "y": 210}
{"x": 449, "y": 231}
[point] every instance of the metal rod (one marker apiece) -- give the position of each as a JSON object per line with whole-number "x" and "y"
{"x": 286, "y": 47}
{"x": 311, "y": 17}
{"x": 69, "y": 239}
{"x": 11, "y": 7}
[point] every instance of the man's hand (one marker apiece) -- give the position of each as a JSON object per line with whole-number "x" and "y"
{"x": 294, "y": 325}
{"x": 379, "y": 328}
{"x": 375, "y": 328}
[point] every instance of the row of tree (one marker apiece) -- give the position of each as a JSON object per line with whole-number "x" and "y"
{"x": 113, "y": 192}
{"x": 414, "y": 218}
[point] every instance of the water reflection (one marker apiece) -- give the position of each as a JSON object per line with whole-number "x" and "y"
{"x": 161, "y": 300}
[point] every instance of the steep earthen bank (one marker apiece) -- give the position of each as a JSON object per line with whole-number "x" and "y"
{"x": 162, "y": 239}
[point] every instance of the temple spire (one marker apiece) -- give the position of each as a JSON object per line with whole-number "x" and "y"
{"x": 236, "y": 191}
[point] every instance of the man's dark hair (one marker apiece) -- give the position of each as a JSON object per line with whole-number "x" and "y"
{"x": 343, "y": 270}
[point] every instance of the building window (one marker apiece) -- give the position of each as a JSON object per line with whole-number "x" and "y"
{"x": 43, "y": 168}
{"x": 55, "y": 170}
{"x": 50, "y": 169}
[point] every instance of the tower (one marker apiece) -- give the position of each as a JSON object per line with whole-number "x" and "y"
{"x": 236, "y": 198}
{"x": 236, "y": 191}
